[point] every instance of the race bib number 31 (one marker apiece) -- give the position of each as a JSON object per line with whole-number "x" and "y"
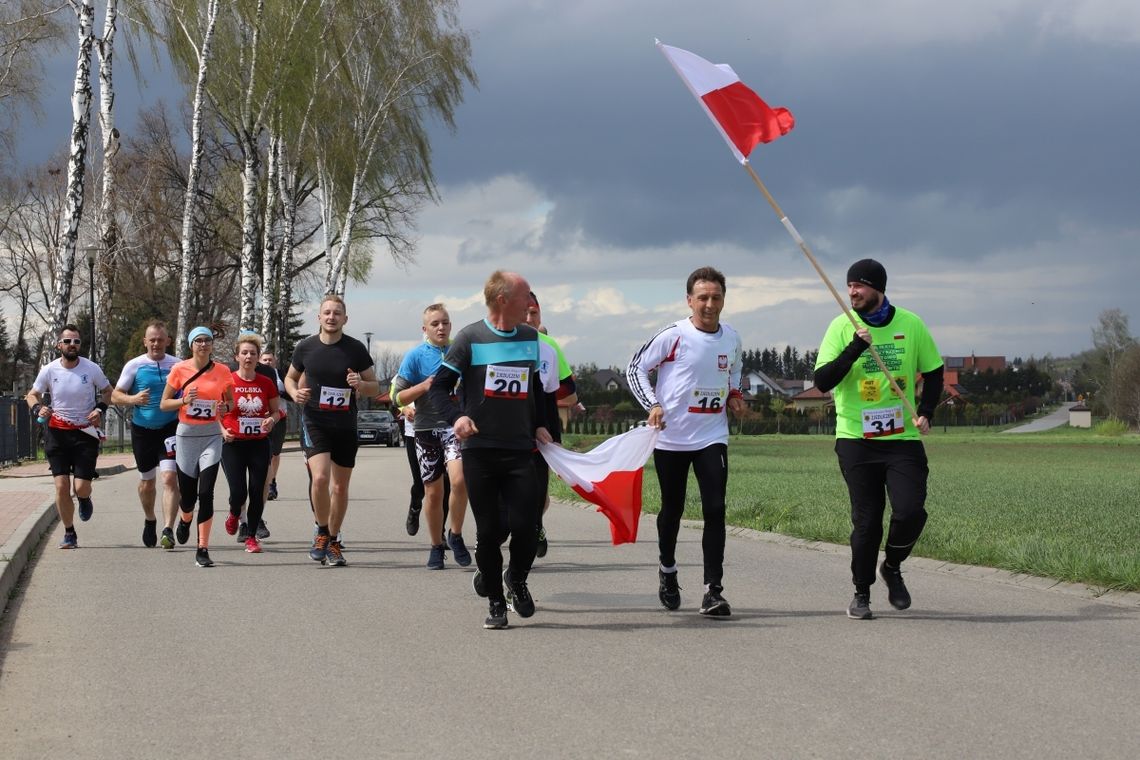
{"x": 506, "y": 382}
{"x": 707, "y": 400}
{"x": 335, "y": 399}
{"x": 879, "y": 423}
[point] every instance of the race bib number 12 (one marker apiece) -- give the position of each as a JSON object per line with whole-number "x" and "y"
{"x": 335, "y": 399}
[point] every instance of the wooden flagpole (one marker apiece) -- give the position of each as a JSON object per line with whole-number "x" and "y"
{"x": 835, "y": 293}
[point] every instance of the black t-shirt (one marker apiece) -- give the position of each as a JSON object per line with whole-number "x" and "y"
{"x": 326, "y": 366}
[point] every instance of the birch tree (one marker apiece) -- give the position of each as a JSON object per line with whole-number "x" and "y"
{"x": 28, "y": 30}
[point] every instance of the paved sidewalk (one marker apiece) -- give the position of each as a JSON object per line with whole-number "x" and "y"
{"x": 114, "y": 650}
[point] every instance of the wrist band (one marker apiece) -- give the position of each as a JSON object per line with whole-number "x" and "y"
{"x": 101, "y": 407}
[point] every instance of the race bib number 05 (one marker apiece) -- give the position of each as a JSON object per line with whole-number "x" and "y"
{"x": 707, "y": 400}
{"x": 879, "y": 423}
{"x": 335, "y": 399}
{"x": 250, "y": 425}
{"x": 506, "y": 382}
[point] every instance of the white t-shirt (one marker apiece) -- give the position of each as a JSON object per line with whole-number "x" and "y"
{"x": 75, "y": 391}
{"x": 696, "y": 371}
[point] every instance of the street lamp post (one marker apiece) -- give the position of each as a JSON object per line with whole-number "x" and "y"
{"x": 368, "y": 346}
{"x": 91, "y": 284}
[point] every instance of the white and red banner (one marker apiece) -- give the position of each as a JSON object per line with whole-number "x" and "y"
{"x": 741, "y": 116}
{"x": 608, "y": 475}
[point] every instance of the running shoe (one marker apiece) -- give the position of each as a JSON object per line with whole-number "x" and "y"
{"x": 70, "y": 540}
{"x": 167, "y": 540}
{"x": 435, "y": 558}
{"x": 243, "y": 533}
{"x": 252, "y": 546}
{"x": 715, "y": 605}
{"x": 262, "y": 530}
{"x": 478, "y": 585}
{"x": 183, "y": 531}
{"x": 897, "y": 594}
{"x": 669, "y": 590}
{"x": 860, "y": 607}
{"x": 272, "y": 495}
{"x": 231, "y": 523}
{"x": 150, "y": 533}
{"x": 320, "y": 548}
{"x": 86, "y": 508}
{"x": 333, "y": 556}
{"x": 202, "y": 558}
{"x": 519, "y": 599}
{"x": 497, "y": 615}
{"x": 412, "y": 524}
{"x": 458, "y": 548}
{"x": 542, "y": 544}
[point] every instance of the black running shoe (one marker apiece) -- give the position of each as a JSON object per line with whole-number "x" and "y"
{"x": 412, "y": 525}
{"x": 519, "y": 599}
{"x": 86, "y": 508}
{"x": 334, "y": 557}
{"x": 262, "y": 531}
{"x": 860, "y": 607}
{"x": 542, "y": 544}
{"x": 715, "y": 605}
{"x": 272, "y": 495}
{"x": 897, "y": 594}
{"x": 167, "y": 539}
{"x": 182, "y": 532}
{"x": 243, "y": 532}
{"x": 150, "y": 533}
{"x": 202, "y": 558}
{"x": 497, "y": 614}
{"x": 478, "y": 585}
{"x": 669, "y": 590}
{"x": 459, "y": 550}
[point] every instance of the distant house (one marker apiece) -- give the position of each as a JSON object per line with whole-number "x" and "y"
{"x": 609, "y": 380}
{"x": 956, "y": 366}
{"x": 811, "y": 398}
{"x": 755, "y": 382}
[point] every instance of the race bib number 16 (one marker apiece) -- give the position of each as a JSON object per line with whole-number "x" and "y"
{"x": 506, "y": 382}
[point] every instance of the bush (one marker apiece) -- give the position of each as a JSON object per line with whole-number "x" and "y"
{"x": 1110, "y": 428}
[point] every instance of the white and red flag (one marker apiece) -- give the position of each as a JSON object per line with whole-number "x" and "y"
{"x": 741, "y": 116}
{"x": 608, "y": 475}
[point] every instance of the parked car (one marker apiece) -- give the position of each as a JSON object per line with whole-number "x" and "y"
{"x": 377, "y": 426}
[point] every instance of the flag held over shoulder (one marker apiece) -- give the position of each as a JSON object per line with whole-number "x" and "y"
{"x": 741, "y": 116}
{"x": 608, "y": 475}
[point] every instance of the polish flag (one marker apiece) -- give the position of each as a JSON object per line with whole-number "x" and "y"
{"x": 741, "y": 116}
{"x": 608, "y": 475}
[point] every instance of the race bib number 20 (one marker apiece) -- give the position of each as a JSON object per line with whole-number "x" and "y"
{"x": 506, "y": 382}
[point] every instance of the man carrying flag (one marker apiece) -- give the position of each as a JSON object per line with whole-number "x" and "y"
{"x": 698, "y": 375}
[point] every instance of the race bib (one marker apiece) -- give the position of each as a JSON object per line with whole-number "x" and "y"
{"x": 335, "y": 399}
{"x": 169, "y": 442}
{"x": 250, "y": 425}
{"x": 879, "y": 423}
{"x": 506, "y": 382}
{"x": 201, "y": 409}
{"x": 707, "y": 400}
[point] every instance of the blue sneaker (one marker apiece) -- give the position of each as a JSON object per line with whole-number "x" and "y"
{"x": 86, "y": 508}
{"x": 458, "y": 548}
{"x": 435, "y": 559}
{"x": 320, "y": 548}
{"x": 70, "y": 540}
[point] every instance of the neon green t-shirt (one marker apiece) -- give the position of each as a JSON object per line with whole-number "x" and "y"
{"x": 865, "y": 404}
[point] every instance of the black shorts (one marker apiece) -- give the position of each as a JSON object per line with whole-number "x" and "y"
{"x": 71, "y": 452}
{"x": 277, "y": 437}
{"x": 339, "y": 442}
{"x": 153, "y": 445}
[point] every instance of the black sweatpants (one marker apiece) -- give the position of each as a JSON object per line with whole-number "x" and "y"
{"x": 501, "y": 489}
{"x": 875, "y": 470}
{"x": 710, "y": 465}
{"x": 198, "y": 490}
{"x": 246, "y": 464}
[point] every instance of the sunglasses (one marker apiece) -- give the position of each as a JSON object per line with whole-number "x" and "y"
{"x": 203, "y": 340}
{"x": 70, "y": 341}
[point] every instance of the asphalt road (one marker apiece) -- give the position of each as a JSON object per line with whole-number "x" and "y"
{"x": 116, "y": 651}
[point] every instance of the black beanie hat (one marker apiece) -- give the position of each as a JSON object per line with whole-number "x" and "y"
{"x": 868, "y": 272}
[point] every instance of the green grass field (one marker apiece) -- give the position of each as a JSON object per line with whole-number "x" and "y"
{"x": 1063, "y": 504}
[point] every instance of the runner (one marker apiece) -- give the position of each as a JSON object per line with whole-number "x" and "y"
{"x": 337, "y": 369}
{"x": 153, "y": 431}
{"x": 80, "y": 393}
{"x": 245, "y": 431}
{"x": 276, "y": 437}
{"x": 698, "y": 375}
{"x": 201, "y": 391}
{"x": 498, "y": 422}
{"x": 416, "y": 493}
{"x": 879, "y": 449}
{"x": 564, "y": 398}
{"x": 437, "y": 448}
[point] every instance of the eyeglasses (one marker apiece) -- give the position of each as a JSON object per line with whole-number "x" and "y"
{"x": 70, "y": 341}
{"x": 203, "y": 340}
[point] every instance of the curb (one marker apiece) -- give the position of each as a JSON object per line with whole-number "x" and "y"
{"x": 27, "y": 539}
